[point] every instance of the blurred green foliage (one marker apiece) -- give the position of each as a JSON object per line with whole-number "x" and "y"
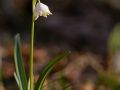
{"x": 114, "y": 39}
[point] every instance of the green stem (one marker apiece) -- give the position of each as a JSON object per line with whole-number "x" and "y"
{"x": 31, "y": 49}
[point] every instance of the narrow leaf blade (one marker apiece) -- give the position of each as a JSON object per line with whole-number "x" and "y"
{"x": 20, "y": 70}
{"x": 47, "y": 69}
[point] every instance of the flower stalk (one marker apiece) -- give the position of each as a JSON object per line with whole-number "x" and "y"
{"x": 38, "y": 9}
{"x": 32, "y": 47}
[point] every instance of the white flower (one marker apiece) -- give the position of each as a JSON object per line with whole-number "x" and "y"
{"x": 41, "y": 10}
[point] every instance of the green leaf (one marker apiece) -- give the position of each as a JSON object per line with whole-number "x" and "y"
{"x": 47, "y": 69}
{"x": 17, "y": 80}
{"x": 20, "y": 70}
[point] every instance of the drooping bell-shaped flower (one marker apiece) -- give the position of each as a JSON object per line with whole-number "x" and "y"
{"x": 41, "y": 10}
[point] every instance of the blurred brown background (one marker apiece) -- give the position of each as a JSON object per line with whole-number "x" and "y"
{"x": 84, "y": 27}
